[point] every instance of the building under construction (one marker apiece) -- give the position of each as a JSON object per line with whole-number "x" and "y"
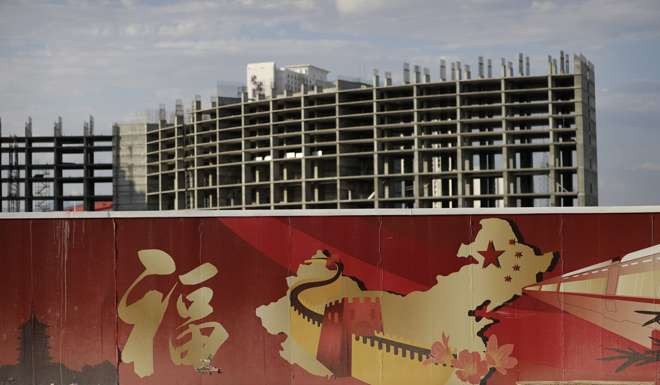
{"x": 468, "y": 139}
{"x": 55, "y": 173}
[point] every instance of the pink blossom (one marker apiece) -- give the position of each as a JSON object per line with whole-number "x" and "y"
{"x": 499, "y": 357}
{"x": 470, "y": 367}
{"x": 440, "y": 353}
{"x": 332, "y": 262}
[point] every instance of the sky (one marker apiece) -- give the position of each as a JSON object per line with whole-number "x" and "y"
{"x": 119, "y": 60}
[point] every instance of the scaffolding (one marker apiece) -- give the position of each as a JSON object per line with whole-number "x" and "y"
{"x": 69, "y": 176}
{"x": 42, "y": 190}
{"x": 13, "y": 185}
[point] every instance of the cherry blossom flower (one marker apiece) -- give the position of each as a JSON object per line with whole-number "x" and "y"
{"x": 440, "y": 353}
{"x": 470, "y": 367}
{"x": 499, "y": 357}
{"x": 332, "y": 262}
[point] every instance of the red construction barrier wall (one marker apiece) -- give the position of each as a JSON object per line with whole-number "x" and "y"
{"x": 375, "y": 299}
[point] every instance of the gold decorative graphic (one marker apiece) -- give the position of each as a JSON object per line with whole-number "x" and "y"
{"x": 196, "y": 343}
{"x": 146, "y": 313}
{"x": 334, "y": 328}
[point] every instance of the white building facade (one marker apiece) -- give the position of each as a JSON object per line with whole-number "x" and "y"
{"x": 268, "y": 80}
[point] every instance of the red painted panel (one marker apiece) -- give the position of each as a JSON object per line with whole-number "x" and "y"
{"x": 321, "y": 300}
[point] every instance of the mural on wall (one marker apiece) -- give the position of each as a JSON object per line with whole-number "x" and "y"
{"x": 620, "y": 296}
{"x": 335, "y": 328}
{"x": 194, "y": 344}
{"x": 343, "y": 300}
{"x": 35, "y": 365}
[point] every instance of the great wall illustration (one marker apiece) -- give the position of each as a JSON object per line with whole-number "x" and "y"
{"x": 335, "y": 328}
{"x": 355, "y": 325}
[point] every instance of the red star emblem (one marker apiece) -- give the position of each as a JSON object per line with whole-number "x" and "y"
{"x": 507, "y": 278}
{"x": 491, "y": 255}
{"x": 512, "y": 241}
{"x": 516, "y": 267}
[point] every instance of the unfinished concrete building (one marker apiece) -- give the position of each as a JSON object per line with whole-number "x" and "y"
{"x": 129, "y": 186}
{"x": 463, "y": 140}
{"x": 54, "y": 173}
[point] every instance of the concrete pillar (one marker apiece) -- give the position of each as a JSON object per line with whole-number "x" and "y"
{"x": 28, "y": 172}
{"x": 406, "y": 73}
{"x": 527, "y": 66}
{"x": 443, "y": 70}
{"x": 88, "y": 174}
{"x": 388, "y": 79}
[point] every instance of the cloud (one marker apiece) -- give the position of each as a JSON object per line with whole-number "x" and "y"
{"x": 634, "y": 96}
{"x": 116, "y": 59}
{"x": 178, "y": 29}
{"x": 136, "y": 30}
{"x": 186, "y": 7}
{"x": 649, "y": 166}
{"x": 269, "y": 47}
{"x": 101, "y": 30}
{"x": 477, "y": 23}
{"x": 352, "y": 7}
{"x": 130, "y": 4}
{"x": 544, "y": 5}
{"x": 304, "y": 5}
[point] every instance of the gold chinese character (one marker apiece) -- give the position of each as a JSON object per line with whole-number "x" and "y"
{"x": 199, "y": 344}
{"x": 146, "y": 315}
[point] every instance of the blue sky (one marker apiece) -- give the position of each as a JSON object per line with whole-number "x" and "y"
{"x": 117, "y": 59}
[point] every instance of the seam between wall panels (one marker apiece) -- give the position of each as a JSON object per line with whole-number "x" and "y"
{"x": 115, "y": 303}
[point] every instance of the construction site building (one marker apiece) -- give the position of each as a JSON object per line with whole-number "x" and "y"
{"x": 464, "y": 140}
{"x": 54, "y": 173}
{"x": 129, "y": 186}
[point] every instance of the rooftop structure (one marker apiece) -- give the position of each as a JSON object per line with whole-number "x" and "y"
{"x": 464, "y": 140}
{"x": 267, "y": 79}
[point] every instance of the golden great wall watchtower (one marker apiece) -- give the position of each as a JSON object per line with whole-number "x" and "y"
{"x": 349, "y": 340}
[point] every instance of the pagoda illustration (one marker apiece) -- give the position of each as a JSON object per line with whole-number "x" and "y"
{"x": 35, "y": 367}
